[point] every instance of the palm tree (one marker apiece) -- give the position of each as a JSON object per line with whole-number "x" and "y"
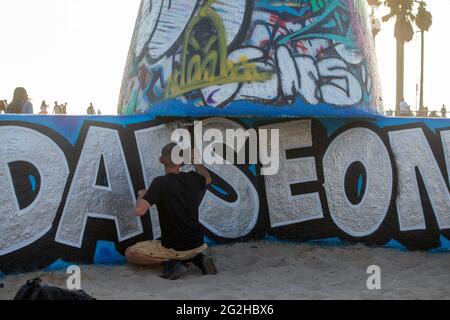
{"x": 424, "y": 20}
{"x": 402, "y": 11}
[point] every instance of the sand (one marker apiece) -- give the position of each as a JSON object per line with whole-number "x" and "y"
{"x": 271, "y": 271}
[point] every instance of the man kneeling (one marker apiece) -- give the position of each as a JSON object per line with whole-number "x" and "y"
{"x": 177, "y": 196}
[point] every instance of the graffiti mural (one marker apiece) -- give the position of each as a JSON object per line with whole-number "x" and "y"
{"x": 67, "y": 189}
{"x": 279, "y": 57}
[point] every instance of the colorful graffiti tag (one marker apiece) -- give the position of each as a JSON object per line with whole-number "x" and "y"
{"x": 193, "y": 56}
{"x": 69, "y": 184}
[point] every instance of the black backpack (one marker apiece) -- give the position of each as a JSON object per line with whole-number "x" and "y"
{"x": 33, "y": 290}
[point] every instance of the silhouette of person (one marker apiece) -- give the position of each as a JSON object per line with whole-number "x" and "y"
{"x": 21, "y": 102}
{"x": 56, "y": 108}
{"x": 444, "y": 111}
{"x": 91, "y": 110}
{"x": 3, "y": 106}
{"x": 44, "y": 108}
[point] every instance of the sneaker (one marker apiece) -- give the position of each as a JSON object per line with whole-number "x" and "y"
{"x": 173, "y": 270}
{"x": 205, "y": 264}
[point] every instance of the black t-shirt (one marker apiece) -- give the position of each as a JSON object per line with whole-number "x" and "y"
{"x": 178, "y": 197}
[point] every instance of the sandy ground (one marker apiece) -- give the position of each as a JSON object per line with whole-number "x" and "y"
{"x": 271, "y": 271}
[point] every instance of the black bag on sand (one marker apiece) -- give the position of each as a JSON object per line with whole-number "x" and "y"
{"x": 33, "y": 290}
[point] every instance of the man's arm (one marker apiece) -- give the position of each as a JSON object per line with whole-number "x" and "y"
{"x": 201, "y": 170}
{"x": 142, "y": 205}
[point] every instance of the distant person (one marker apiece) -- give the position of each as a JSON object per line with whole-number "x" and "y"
{"x": 3, "y": 106}
{"x": 64, "y": 108}
{"x": 99, "y": 112}
{"x": 90, "y": 111}
{"x": 405, "y": 109}
{"x": 444, "y": 111}
{"x": 433, "y": 114}
{"x": 44, "y": 108}
{"x": 56, "y": 108}
{"x": 21, "y": 103}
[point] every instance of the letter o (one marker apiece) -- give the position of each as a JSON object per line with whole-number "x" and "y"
{"x": 365, "y": 146}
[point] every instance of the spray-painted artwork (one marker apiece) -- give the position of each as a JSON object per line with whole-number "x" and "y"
{"x": 268, "y": 58}
{"x": 68, "y": 186}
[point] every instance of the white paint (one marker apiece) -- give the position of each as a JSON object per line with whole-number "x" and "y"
{"x": 411, "y": 150}
{"x": 365, "y": 146}
{"x": 445, "y": 138}
{"x": 87, "y": 200}
{"x": 161, "y": 24}
{"x": 147, "y": 23}
{"x": 309, "y": 75}
{"x": 285, "y": 208}
{"x": 218, "y": 94}
{"x": 341, "y": 87}
{"x": 150, "y": 143}
{"x": 232, "y": 14}
{"x": 225, "y": 219}
{"x": 20, "y": 228}
{"x": 260, "y": 91}
{"x": 350, "y": 55}
{"x": 289, "y": 74}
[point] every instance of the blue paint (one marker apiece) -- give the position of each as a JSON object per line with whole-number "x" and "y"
{"x": 444, "y": 247}
{"x": 106, "y": 253}
{"x": 432, "y": 124}
{"x": 245, "y": 109}
{"x": 70, "y": 126}
{"x": 33, "y": 183}
{"x": 360, "y": 185}
{"x": 58, "y": 265}
{"x": 333, "y": 242}
{"x": 220, "y": 190}
{"x": 281, "y": 8}
{"x": 252, "y": 168}
{"x": 332, "y": 125}
{"x": 394, "y": 244}
{"x": 210, "y": 242}
{"x": 328, "y": 242}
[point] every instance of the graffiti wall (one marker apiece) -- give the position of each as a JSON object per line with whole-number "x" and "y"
{"x": 68, "y": 185}
{"x": 267, "y": 58}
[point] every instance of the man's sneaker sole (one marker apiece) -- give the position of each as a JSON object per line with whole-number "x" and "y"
{"x": 208, "y": 266}
{"x": 179, "y": 271}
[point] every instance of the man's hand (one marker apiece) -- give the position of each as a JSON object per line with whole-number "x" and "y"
{"x": 142, "y": 193}
{"x": 197, "y": 162}
{"x": 142, "y": 205}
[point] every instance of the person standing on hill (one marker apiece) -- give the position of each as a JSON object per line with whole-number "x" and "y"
{"x": 56, "y": 108}
{"x": 3, "y": 106}
{"x": 44, "y": 108}
{"x": 90, "y": 111}
{"x": 64, "y": 108}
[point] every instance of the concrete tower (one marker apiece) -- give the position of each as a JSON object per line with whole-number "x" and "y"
{"x": 264, "y": 58}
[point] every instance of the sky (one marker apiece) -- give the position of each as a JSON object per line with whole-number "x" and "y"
{"x": 75, "y": 51}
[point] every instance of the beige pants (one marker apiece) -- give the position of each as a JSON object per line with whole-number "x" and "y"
{"x": 154, "y": 249}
